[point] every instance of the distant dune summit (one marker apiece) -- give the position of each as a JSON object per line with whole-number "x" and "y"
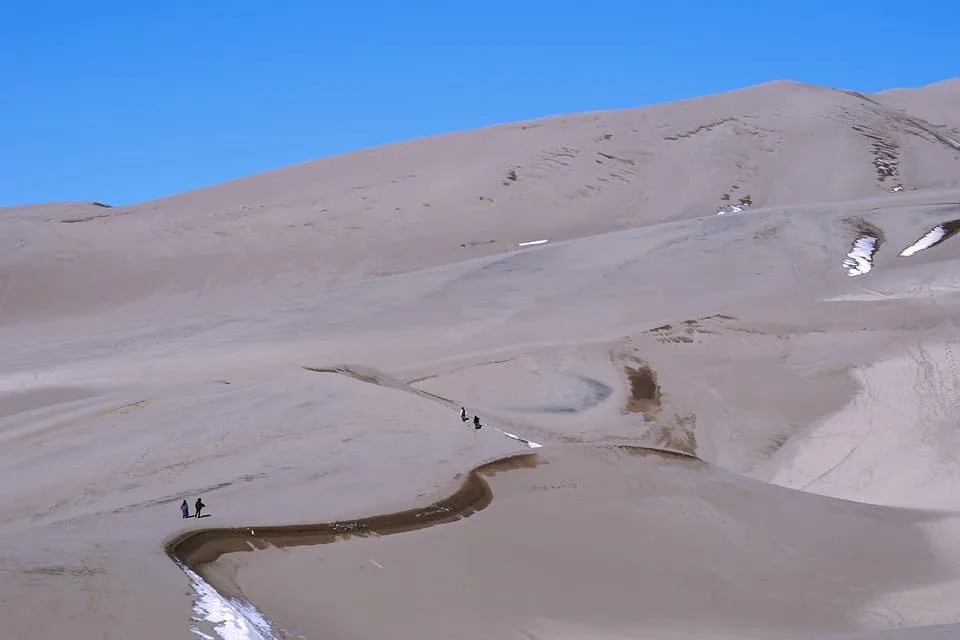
{"x": 445, "y": 198}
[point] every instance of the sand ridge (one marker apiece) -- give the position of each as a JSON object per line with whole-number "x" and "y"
{"x": 200, "y": 547}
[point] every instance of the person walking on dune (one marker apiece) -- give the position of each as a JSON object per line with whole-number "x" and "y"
{"x": 476, "y": 422}
{"x": 185, "y": 509}
{"x": 463, "y": 414}
{"x": 199, "y": 505}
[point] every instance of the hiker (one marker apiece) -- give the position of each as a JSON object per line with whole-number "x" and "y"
{"x": 185, "y": 509}
{"x": 199, "y": 505}
{"x": 476, "y": 422}
{"x": 463, "y": 414}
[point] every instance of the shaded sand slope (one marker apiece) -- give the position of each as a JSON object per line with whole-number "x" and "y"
{"x": 612, "y": 544}
{"x": 441, "y": 199}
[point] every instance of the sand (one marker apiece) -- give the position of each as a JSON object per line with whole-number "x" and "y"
{"x": 739, "y": 438}
{"x": 641, "y": 544}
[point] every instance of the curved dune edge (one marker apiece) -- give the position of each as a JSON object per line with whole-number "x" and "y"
{"x": 199, "y": 547}
{"x": 196, "y": 548}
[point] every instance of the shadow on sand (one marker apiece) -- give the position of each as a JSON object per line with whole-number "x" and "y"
{"x": 197, "y": 548}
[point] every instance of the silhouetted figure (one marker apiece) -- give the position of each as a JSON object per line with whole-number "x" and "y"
{"x": 199, "y": 505}
{"x": 185, "y": 509}
{"x": 476, "y": 422}
{"x": 463, "y": 414}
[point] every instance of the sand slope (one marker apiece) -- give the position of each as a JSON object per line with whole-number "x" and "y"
{"x": 640, "y": 545}
{"x": 169, "y": 349}
{"x": 448, "y": 198}
{"x": 937, "y": 103}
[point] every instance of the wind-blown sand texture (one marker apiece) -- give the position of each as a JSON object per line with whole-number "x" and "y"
{"x": 736, "y": 348}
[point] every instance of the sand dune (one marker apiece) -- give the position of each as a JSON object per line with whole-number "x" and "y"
{"x": 688, "y": 550}
{"x": 448, "y": 198}
{"x": 295, "y": 346}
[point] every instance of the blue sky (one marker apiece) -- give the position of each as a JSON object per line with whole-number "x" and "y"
{"x": 126, "y": 101}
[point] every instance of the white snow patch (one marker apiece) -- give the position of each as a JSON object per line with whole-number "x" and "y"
{"x": 734, "y": 208}
{"x": 226, "y": 618}
{"x": 530, "y": 243}
{"x": 860, "y": 259}
{"x": 529, "y": 443}
{"x": 931, "y": 238}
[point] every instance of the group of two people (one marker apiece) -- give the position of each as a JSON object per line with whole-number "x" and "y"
{"x": 476, "y": 419}
{"x": 185, "y": 509}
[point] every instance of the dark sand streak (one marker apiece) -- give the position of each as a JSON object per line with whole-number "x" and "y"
{"x": 372, "y": 376}
{"x": 200, "y": 547}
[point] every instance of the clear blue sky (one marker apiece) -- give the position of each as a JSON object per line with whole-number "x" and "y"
{"x": 126, "y": 101}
